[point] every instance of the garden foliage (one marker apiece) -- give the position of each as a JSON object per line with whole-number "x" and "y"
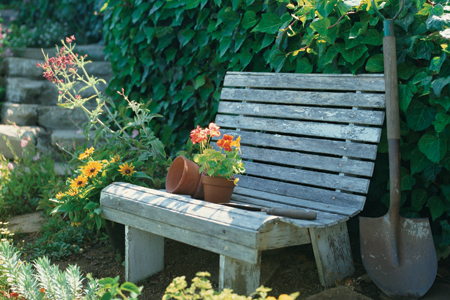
{"x": 41, "y": 23}
{"x": 177, "y": 52}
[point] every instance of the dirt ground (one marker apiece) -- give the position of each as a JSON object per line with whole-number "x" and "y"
{"x": 286, "y": 270}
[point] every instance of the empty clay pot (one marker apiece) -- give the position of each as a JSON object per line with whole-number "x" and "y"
{"x": 217, "y": 190}
{"x": 183, "y": 178}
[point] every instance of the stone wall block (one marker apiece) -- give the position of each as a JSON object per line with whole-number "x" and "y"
{"x": 21, "y": 114}
{"x": 68, "y": 139}
{"x": 14, "y": 135}
{"x": 24, "y": 90}
{"x": 56, "y": 117}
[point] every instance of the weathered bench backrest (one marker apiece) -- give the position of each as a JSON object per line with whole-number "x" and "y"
{"x": 308, "y": 140}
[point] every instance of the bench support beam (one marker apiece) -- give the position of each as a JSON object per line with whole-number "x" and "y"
{"x": 333, "y": 254}
{"x": 144, "y": 254}
{"x": 242, "y": 277}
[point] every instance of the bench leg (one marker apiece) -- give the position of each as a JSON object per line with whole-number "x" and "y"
{"x": 144, "y": 254}
{"x": 332, "y": 251}
{"x": 240, "y": 276}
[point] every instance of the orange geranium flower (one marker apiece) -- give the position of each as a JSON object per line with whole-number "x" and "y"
{"x": 198, "y": 135}
{"x": 213, "y": 130}
{"x": 226, "y": 142}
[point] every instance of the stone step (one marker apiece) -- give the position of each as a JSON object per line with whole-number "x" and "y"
{"x": 32, "y": 91}
{"x": 94, "y": 52}
{"x": 68, "y": 139}
{"x": 14, "y": 135}
{"x": 26, "y": 67}
{"x": 47, "y": 116}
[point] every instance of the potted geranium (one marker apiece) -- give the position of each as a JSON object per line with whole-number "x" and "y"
{"x": 218, "y": 167}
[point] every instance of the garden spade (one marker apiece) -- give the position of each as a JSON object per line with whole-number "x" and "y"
{"x": 398, "y": 253}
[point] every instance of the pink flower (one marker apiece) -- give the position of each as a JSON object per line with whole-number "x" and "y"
{"x": 14, "y": 124}
{"x": 79, "y": 131}
{"x": 134, "y": 133}
{"x": 36, "y": 158}
{"x": 10, "y": 166}
{"x": 24, "y": 142}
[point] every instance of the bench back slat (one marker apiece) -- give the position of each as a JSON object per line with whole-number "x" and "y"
{"x": 327, "y": 180}
{"x": 307, "y": 160}
{"x": 302, "y": 113}
{"x": 308, "y": 140}
{"x": 301, "y": 97}
{"x": 326, "y": 130}
{"x": 300, "y": 81}
{"x": 339, "y": 148}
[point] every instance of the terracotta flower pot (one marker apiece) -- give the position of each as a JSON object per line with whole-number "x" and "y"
{"x": 183, "y": 178}
{"x": 217, "y": 190}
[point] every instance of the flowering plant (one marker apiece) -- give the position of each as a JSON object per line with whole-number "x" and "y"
{"x": 129, "y": 153}
{"x": 224, "y": 163}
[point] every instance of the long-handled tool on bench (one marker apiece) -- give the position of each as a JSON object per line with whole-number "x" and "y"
{"x": 281, "y": 212}
{"x": 398, "y": 253}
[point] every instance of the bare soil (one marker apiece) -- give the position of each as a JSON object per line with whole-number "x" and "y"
{"x": 286, "y": 270}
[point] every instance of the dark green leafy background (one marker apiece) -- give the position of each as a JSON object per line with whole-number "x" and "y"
{"x": 177, "y": 52}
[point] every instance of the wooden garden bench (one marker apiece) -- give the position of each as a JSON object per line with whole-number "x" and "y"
{"x": 308, "y": 141}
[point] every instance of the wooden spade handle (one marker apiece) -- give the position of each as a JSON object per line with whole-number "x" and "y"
{"x": 291, "y": 213}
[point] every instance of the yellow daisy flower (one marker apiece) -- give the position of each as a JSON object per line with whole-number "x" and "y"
{"x": 92, "y": 168}
{"x": 115, "y": 159}
{"x": 284, "y": 297}
{"x": 72, "y": 192}
{"x": 80, "y": 181}
{"x": 127, "y": 170}
{"x": 86, "y": 153}
{"x": 59, "y": 195}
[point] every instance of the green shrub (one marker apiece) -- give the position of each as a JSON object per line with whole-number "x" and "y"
{"x": 27, "y": 181}
{"x": 59, "y": 239}
{"x": 41, "y": 23}
{"x": 177, "y": 53}
{"x": 45, "y": 281}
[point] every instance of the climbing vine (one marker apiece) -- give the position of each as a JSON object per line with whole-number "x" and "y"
{"x": 177, "y": 52}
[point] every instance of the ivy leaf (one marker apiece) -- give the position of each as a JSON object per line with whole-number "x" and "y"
{"x": 430, "y": 173}
{"x": 325, "y": 7}
{"x": 267, "y": 40}
{"x": 245, "y": 59}
{"x": 419, "y": 116}
{"x": 407, "y": 180}
{"x": 249, "y": 19}
{"x": 375, "y": 63}
{"x": 404, "y": 96}
{"x": 418, "y": 199}
{"x": 331, "y": 54}
{"x": 239, "y": 40}
{"x": 442, "y": 120}
{"x": 277, "y": 59}
{"x": 304, "y": 66}
{"x": 443, "y": 101}
{"x": 433, "y": 147}
{"x": 437, "y": 61}
{"x": 184, "y": 36}
{"x": 230, "y": 20}
{"x": 437, "y": 207}
{"x": 199, "y": 81}
{"x": 192, "y": 4}
{"x": 445, "y": 33}
{"x": 405, "y": 21}
{"x": 373, "y": 37}
{"x": 354, "y": 32}
{"x": 437, "y": 23}
{"x": 439, "y": 84}
{"x": 446, "y": 191}
{"x": 321, "y": 26}
{"x": 419, "y": 162}
{"x": 353, "y": 54}
{"x": 270, "y": 23}
{"x": 224, "y": 45}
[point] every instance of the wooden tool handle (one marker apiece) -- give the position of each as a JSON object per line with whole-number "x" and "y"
{"x": 291, "y": 213}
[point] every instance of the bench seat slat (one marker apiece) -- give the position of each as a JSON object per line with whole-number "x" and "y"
{"x": 318, "y": 195}
{"x": 318, "y": 162}
{"x": 312, "y": 82}
{"x": 204, "y": 241}
{"x": 349, "y": 99}
{"x": 324, "y": 211}
{"x": 323, "y": 218}
{"x": 353, "y": 184}
{"x": 346, "y": 132}
{"x": 357, "y": 150}
{"x": 303, "y": 113}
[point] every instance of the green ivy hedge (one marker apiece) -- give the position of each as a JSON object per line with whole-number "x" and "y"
{"x": 177, "y": 52}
